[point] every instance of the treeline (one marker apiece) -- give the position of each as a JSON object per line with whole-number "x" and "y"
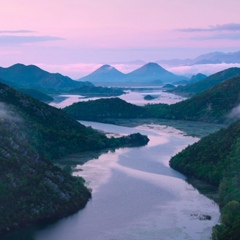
{"x": 215, "y": 159}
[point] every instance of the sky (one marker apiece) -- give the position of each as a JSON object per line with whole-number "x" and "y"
{"x": 75, "y": 37}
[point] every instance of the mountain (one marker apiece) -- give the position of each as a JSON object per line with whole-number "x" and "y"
{"x": 209, "y": 58}
{"x": 105, "y": 74}
{"x": 150, "y": 73}
{"x": 215, "y": 159}
{"x": 33, "y": 135}
{"x": 22, "y": 76}
{"x": 206, "y": 83}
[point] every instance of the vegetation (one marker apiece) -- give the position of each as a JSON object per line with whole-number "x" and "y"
{"x": 215, "y": 159}
{"x": 36, "y": 94}
{"x": 207, "y": 83}
{"x": 92, "y": 91}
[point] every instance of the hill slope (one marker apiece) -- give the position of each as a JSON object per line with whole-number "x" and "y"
{"x": 213, "y": 105}
{"x": 31, "y": 76}
{"x": 215, "y": 159}
{"x": 207, "y": 83}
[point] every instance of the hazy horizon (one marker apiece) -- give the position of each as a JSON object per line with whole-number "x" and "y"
{"x": 75, "y": 37}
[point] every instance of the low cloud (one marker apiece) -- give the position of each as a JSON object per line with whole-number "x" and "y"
{"x": 224, "y": 27}
{"x": 7, "y": 114}
{"x": 235, "y": 113}
{"x": 231, "y": 36}
{"x": 10, "y": 39}
{"x": 206, "y": 69}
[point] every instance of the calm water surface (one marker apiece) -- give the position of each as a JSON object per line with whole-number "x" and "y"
{"x": 136, "y": 196}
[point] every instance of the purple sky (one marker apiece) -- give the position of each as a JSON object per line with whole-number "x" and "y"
{"x": 74, "y": 37}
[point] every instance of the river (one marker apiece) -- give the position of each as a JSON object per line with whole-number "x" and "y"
{"x": 135, "y": 194}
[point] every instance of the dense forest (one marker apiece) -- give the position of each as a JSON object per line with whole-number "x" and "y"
{"x": 215, "y": 159}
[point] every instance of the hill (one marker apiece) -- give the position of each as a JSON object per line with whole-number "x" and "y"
{"x": 22, "y": 76}
{"x": 101, "y": 109}
{"x": 212, "y": 105}
{"x": 105, "y": 74}
{"x": 215, "y": 159}
{"x": 33, "y": 134}
{"x": 206, "y": 83}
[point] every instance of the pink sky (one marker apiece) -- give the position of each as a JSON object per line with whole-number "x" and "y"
{"x": 75, "y": 36}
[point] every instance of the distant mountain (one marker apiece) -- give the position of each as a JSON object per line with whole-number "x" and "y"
{"x": 105, "y": 74}
{"x": 197, "y": 77}
{"x": 209, "y": 58}
{"x": 31, "y": 76}
{"x": 206, "y": 83}
{"x": 150, "y": 73}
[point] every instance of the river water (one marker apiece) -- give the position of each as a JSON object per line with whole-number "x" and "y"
{"x": 135, "y": 194}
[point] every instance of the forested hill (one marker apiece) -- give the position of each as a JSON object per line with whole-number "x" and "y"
{"x": 101, "y": 109}
{"x": 207, "y": 83}
{"x": 215, "y": 159}
{"x": 32, "y": 189}
{"x": 213, "y": 105}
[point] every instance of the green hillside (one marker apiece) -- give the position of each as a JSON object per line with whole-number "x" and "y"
{"x": 213, "y": 105}
{"x": 206, "y": 83}
{"x": 215, "y": 159}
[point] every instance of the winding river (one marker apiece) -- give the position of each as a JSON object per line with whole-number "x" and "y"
{"x": 135, "y": 194}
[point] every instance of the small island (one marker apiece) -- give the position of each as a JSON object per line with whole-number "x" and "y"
{"x": 149, "y": 97}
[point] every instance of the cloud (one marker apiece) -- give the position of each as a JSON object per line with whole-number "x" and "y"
{"x": 232, "y": 36}
{"x": 16, "y": 31}
{"x": 233, "y": 27}
{"x": 206, "y": 69}
{"x": 9, "y": 39}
